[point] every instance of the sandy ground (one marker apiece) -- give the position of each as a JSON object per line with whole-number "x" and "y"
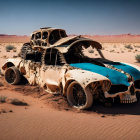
{"x": 44, "y": 118}
{"x": 50, "y": 117}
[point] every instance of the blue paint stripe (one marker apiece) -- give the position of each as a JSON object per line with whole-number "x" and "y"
{"x": 114, "y": 76}
{"x": 129, "y": 69}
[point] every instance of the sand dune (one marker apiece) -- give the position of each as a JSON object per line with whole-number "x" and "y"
{"x": 40, "y": 121}
{"x": 50, "y": 117}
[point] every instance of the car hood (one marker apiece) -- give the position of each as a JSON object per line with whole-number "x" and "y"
{"x": 84, "y": 77}
{"x": 64, "y": 40}
{"x": 116, "y": 77}
{"x": 134, "y": 72}
{"x": 63, "y": 45}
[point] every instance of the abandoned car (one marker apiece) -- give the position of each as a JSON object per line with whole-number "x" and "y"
{"x": 57, "y": 63}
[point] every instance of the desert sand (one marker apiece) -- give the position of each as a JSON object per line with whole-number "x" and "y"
{"x": 48, "y": 117}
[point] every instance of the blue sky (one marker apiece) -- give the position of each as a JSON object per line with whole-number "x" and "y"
{"x": 102, "y": 17}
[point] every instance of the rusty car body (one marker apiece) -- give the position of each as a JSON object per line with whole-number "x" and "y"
{"x": 56, "y": 62}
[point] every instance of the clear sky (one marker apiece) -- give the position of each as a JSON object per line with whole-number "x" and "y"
{"x": 100, "y": 17}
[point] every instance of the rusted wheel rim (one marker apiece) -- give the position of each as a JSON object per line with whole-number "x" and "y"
{"x": 10, "y": 76}
{"x": 78, "y": 95}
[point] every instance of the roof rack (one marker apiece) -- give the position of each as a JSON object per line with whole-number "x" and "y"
{"x": 45, "y": 27}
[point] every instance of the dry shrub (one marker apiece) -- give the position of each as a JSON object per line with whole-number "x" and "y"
{"x": 3, "y": 99}
{"x": 10, "y": 47}
{"x": 137, "y": 57}
{"x": 91, "y": 51}
{"x": 14, "y": 101}
{"x": 15, "y": 56}
{"x": 17, "y": 102}
{"x": 112, "y": 50}
{"x": 3, "y": 111}
{"x": 137, "y": 46}
{"x": 128, "y": 47}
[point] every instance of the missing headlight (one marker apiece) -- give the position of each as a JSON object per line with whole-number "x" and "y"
{"x": 117, "y": 88}
{"x": 137, "y": 84}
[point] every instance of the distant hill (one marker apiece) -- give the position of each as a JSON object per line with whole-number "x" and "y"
{"x": 123, "y": 38}
{"x": 13, "y": 38}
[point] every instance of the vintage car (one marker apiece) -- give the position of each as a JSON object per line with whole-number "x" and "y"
{"x": 57, "y": 63}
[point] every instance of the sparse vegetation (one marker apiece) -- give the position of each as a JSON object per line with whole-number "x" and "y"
{"x": 3, "y": 111}
{"x": 112, "y": 50}
{"x": 14, "y": 101}
{"x": 10, "y": 47}
{"x": 91, "y": 51}
{"x": 5, "y": 57}
{"x": 15, "y": 56}
{"x": 18, "y": 102}
{"x": 3, "y": 99}
{"x": 137, "y": 46}
{"x": 128, "y": 46}
{"x": 137, "y": 57}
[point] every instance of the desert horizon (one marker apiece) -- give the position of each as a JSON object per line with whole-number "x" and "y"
{"x": 28, "y": 112}
{"x": 70, "y": 70}
{"x": 121, "y": 38}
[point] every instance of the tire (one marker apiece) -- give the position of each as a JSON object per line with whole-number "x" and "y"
{"x": 12, "y": 75}
{"x": 78, "y": 97}
{"x": 26, "y": 48}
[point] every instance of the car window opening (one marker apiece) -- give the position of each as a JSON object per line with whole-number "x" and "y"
{"x": 44, "y": 44}
{"x": 53, "y": 57}
{"x": 32, "y": 38}
{"x": 54, "y": 37}
{"x": 79, "y": 56}
{"x": 45, "y": 35}
{"x": 63, "y": 33}
{"x": 38, "y": 35}
{"x": 34, "y": 56}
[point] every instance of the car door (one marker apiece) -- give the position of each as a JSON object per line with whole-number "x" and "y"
{"x": 52, "y": 72}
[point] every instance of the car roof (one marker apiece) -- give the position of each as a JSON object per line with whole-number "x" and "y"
{"x": 46, "y": 29}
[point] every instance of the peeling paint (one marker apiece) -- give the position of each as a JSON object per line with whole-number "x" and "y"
{"x": 47, "y": 64}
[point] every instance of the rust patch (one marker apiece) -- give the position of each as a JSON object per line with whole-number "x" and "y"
{"x": 23, "y": 71}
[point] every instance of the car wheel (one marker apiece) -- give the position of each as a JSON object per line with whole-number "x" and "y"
{"x": 24, "y": 50}
{"x": 78, "y": 97}
{"x": 12, "y": 75}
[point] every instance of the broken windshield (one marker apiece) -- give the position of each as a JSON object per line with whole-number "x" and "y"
{"x": 82, "y": 52}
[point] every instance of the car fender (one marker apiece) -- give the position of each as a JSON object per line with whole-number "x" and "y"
{"x": 83, "y": 77}
{"x": 132, "y": 65}
{"x": 11, "y": 62}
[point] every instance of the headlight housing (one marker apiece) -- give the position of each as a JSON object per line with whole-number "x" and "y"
{"x": 130, "y": 78}
{"x": 100, "y": 86}
{"x": 106, "y": 85}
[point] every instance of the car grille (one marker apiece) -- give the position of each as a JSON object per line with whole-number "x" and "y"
{"x": 132, "y": 90}
{"x": 137, "y": 84}
{"x": 117, "y": 88}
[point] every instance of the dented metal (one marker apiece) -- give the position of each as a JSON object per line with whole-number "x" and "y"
{"x": 49, "y": 66}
